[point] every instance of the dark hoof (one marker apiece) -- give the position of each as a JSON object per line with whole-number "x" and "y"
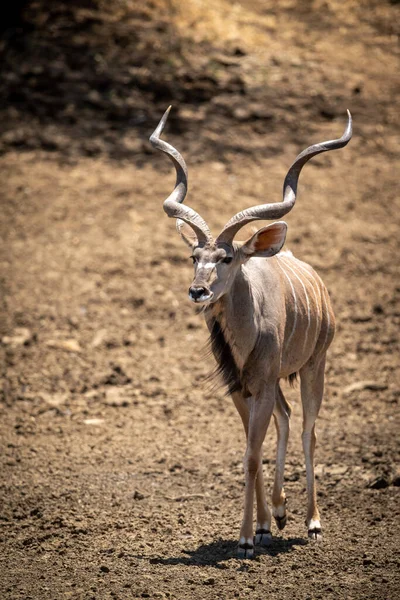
{"x": 315, "y": 534}
{"x": 281, "y": 522}
{"x": 263, "y": 537}
{"x": 245, "y": 550}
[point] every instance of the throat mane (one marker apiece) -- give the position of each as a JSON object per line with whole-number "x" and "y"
{"x": 226, "y": 365}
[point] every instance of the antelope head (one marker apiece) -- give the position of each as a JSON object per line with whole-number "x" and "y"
{"x": 216, "y": 261}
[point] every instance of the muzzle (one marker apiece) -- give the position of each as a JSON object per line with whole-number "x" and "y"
{"x": 200, "y": 293}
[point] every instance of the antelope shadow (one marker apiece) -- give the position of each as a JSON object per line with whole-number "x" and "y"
{"x": 221, "y": 550}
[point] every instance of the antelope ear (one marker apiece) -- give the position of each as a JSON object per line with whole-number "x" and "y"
{"x": 187, "y": 233}
{"x": 266, "y": 241}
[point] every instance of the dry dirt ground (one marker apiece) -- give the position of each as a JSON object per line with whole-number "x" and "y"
{"x": 121, "y": 470}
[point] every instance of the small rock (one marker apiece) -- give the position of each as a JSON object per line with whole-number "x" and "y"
{"x": 21, "y": 337}
{"x": 361, "y": 318}
{"x": 69, "y": 345}
{"x": 337, "y": 470}
{"x": 116, "y": 396}
{"x": 217, "y": 166}
{"x": 54, "y": 399}
{"x": 99, "y": 338}
{"x": 93, "y": 421}
{"x": 138, "y": 495}
{"x": 379, "y": 483}
{"x": 242, "y": 113}
{"x": 209, "y": 581}
{"x": 104, "y": 569}
{"x": 364, "y": 385}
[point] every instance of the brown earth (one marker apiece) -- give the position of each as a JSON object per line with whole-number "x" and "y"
{"x": 121, "y": 470}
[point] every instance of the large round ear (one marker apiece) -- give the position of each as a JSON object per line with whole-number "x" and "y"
{"x": 266, "y": 241}
{"x": 187, "y": 233}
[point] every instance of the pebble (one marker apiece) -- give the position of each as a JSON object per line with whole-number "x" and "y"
{"x": 364, "y": 385}
{"x": 69, "y": 345}
{"x": 337, "y": 470}
{"x": 99, "y": 338}
{"x": 21, "y": 336}
{"x": 138, "y": 495}
{"x": 116, "y": 396}
{"x": 55, "y": 399}
{"x": 379, "y": 483}
{"x": 93, "y": 421}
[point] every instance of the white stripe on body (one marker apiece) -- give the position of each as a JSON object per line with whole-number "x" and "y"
{"x": 295, "y": 302}
{"x": 307, "y": 300}
{"x": 324, "y": 294}
{"x": 304, "y": 271}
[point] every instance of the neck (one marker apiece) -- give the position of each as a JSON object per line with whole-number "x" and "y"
{"x": 234, "y": 315}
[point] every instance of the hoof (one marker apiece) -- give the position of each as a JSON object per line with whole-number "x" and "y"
{"x": 314, "y": 530}
{"x": 315, "y": 534}
{"x": 245, "y": 549}
{"x": 281, "y": 522}
{"x": 263, "y": 537}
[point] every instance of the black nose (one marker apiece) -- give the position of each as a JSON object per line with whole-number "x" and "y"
{"x": 197, "y": 292}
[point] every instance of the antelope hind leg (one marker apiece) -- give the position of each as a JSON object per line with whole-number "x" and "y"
{"x": 312, "y": 389}
{"x": 282, "y": 413}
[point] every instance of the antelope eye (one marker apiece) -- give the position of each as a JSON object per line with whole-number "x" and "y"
{"x": 227, "y": 260}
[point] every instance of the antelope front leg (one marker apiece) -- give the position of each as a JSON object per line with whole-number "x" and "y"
{"x": 260, "y": 411}
{"x": 263, "y": 528}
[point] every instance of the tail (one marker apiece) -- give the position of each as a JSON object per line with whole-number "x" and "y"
{"x": 292, "y": 379}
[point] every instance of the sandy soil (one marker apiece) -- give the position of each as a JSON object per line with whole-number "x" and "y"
{"x": 121, "y": 469}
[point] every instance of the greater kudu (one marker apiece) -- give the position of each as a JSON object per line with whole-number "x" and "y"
{"x": 269, "y": 317}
